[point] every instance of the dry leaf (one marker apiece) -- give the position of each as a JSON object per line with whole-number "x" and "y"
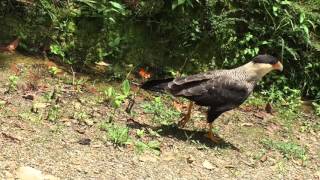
{"x": 144, "y": 74}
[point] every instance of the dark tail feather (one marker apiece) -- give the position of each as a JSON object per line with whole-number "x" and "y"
{"x": 156, "y": 85}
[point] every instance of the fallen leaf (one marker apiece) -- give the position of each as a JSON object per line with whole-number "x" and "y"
{"x": 2, "y": 102}
{"x": 144, "y": 74}
{"x": 260, "y": 114}
{"x": 11, "y": 137}
{"x": 102, "y": 63}
{"x": 206, "y": 164}
{"x": 247, "y": 124}
{"x": 230, "y": 166}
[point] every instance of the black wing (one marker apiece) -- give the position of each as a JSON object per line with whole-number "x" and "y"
{"x": 178, "y": 86}
{"x": 219, "y": 92}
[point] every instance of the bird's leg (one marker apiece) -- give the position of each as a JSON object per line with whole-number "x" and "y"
{"x": 215, "y": 139}
{"x": 186, "y": 117}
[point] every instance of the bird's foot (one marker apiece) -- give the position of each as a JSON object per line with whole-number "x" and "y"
{"x": 214, "y": 138}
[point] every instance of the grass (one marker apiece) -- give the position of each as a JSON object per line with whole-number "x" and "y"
{"x": 287, "y": 149}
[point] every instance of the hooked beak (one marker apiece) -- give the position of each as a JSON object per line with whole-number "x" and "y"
{"x": 278, "y": 66}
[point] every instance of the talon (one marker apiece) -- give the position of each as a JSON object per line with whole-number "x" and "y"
{"x": 214, "y": 138}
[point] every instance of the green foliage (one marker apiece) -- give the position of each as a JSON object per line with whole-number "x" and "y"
{"x": 13, "y": 81}
{"x": 162, "y": 113}
{"x": 117, "y": 134}
{"x": 140, "y": 133}
{"x": 80, "y": 116}
{"x": 153, "y": 146}
{"x": 317, "y": 108}
{"x": 180, "y": 36}
{"x": 54, "y": 113}
{"x": 288, "y": 149}
{"x": 117, "y": 98}
{"x": 53, "y": 70}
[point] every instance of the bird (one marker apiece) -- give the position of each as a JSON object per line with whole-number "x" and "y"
{"x": 220, "y": 90}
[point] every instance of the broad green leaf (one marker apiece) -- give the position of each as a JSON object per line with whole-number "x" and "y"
{"x": 126, "y": 87}
{"x": 177, "y": 3}
{"x": 117, "y": 5}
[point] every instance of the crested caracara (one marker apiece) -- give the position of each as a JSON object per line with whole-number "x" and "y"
{"x": 220, "y": 90}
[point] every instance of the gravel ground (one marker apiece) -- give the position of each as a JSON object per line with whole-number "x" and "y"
{"x": 71, "y": 148}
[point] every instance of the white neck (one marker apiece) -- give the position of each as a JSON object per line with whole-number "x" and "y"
{"x": 256, "y": 71}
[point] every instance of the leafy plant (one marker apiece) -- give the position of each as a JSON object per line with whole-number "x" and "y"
{"x": 140, "y": 133}
{"x": 117, "y": 98}
{"x": 54, "y": 113}
{"x": 13, "y": 81}
{"x": 117, "y": 134}
{"x": 53, "y": 70}
{"x": 153, "y": 146}
{"x": 162, "y": 113}
{"x": 288, "y": 149}
{"x": 317, "y": 108}
{"x": 81, "y": 116}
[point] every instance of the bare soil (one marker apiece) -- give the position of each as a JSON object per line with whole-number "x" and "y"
{"x": 73, "y": 146}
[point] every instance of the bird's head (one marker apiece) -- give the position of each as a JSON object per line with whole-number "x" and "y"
{"x": 267, "y": 62}
{"x": 261, "y": 65}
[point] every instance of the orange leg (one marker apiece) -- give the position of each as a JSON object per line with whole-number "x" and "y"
{"x": 214, "y": 138}
{"x": 186, "y": 117}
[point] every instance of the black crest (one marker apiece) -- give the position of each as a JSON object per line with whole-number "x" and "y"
{"x": 267, "y": 59}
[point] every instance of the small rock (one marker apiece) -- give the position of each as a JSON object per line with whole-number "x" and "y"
{"x": 28, "y": 173}
{"x": 206, "y": 164}
{"x": 264, "y": 158}
{"x": 89, "y": 122}
{"x": 85, "y": 141}
{"x": 38, "y": 106}
{"x": 80, "y": 130}
{"x": 77, "y": 105}
{"x": 96, "y": 114}
{"x": 190, "y": 159}
{"x": 50, "y": 177}
{"x": 28, "y": 96}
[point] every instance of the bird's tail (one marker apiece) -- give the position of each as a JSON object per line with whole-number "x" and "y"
{"x": 156, "y": 85}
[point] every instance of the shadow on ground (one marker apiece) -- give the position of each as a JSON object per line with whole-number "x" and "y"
{"x": 173, "y": 131}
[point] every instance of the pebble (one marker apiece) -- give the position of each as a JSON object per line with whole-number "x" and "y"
{"x": 29, "y": 173}
{"x": 208, "y": 165}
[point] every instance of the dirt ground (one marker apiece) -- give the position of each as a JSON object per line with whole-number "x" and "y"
{"x": 71, "y": 145}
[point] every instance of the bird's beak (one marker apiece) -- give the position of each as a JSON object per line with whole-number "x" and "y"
{"x": 278, "y": 66}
